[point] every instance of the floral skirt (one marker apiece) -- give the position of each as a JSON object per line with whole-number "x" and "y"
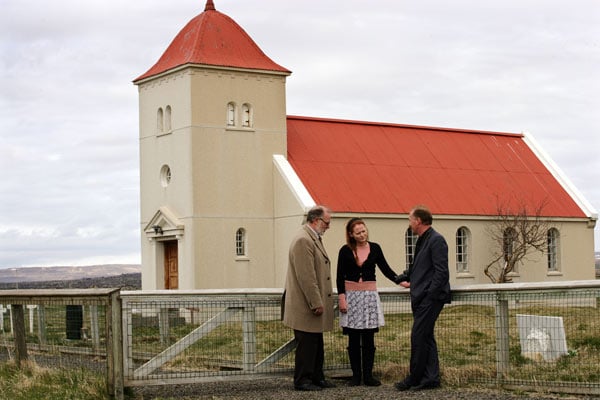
{"x": 364, "y": 310}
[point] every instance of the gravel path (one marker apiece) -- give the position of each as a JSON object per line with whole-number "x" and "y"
{"x": 281, "y": 388}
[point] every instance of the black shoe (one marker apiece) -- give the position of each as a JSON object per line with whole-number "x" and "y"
{"x": 324, "y": 384}
{"x": 370, "y": 381}
{"x": 402, "y": 386}
{"x": 426, "y": 386}
{"x": 355, "y": 381}
{"x": 308, "y": 387}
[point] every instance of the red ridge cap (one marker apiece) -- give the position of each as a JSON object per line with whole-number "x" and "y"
{"x": 424, "y": 127}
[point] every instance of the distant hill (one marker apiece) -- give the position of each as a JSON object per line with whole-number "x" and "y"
{"x": 126, "y": 276}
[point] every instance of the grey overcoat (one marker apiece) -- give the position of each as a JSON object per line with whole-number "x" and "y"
{"x": 308, "y": 284}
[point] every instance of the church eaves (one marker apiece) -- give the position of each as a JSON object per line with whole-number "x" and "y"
{"x": 212, "y": 38}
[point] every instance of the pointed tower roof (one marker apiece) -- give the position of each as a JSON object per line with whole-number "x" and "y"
{"x": 212, "y": 38}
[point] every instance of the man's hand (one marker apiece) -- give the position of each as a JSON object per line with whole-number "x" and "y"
{"x": 318, "y": 311}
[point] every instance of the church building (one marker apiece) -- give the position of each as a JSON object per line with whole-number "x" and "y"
{"x": 227, "y": 176}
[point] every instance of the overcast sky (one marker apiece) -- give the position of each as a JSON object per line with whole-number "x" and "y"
{"x": 69, "y": 112}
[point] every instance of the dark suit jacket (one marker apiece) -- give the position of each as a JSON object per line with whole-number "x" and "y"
{"x": 428, "y": 275}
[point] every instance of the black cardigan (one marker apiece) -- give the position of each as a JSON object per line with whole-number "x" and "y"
{"x": 348, "y": 270}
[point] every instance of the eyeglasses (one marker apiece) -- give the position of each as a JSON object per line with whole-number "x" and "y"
{"x": 325, "y": 222}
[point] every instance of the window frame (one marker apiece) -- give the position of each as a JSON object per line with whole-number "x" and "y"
{"x": 160, "y": 121}
{"x": 231, "y": 116}
{"x": 463, "y": 238}
{"x": 553, "y": 250}
{"x": 247, "y": 117}
{"x": 241, "y": 245}
{"x": 410, "y": 241}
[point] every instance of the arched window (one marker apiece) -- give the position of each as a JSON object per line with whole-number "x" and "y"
{"x": 553, "y": 249}
{"x": 240, "y": 242}
{"x": 230, "y": 114}
{"x": 165, "y": 175}
{"x": 462, "y": 249}
{"x": 246, "y": 115}
{"x": 410, "y": 240}
{"x": 168, "y": 119}
{"x": 160, "y": 121}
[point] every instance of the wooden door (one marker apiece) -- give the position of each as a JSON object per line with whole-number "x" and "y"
{"x": 171, "y": 265}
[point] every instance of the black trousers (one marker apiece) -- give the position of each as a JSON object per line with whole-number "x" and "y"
{"x": 310, "y": 356}
{"x": 424, "y": 362}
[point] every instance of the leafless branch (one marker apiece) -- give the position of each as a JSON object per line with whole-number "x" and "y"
{"x": 518, "y": 231}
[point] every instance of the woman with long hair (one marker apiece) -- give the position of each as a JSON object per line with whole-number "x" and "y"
{"x": 361, "y": 314}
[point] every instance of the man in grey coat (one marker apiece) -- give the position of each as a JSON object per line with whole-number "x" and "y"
{"x": 308, "y": 303}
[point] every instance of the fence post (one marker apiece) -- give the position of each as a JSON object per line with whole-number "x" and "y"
{"x": 249, "y": 337}
{"x": 126, "y": 337}
{"x": 18, "y": 321}
{"x": 114, "y": 346}
{"x": 502, "y": 338}
{"x": 31, "y": 308}
{"x": 41, "y": 318}
{"x": 163, "y": 326}
{"x": 94, "y": 327}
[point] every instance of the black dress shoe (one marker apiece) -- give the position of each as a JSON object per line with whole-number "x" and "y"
{"x": 370, "y": 381}
{"x": 355, "y": 381}
{"x": 402, "y": 386}
{"x": 308, "y": 387}
{"x": 425, "y": 386}
{"x": 325, "y": 384}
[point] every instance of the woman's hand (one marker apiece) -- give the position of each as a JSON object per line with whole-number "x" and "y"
{"x": 343, "y": 306}
{"x": 404, "y": 284}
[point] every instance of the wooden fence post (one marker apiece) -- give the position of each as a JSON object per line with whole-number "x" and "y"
{"x": 41, "y": 318}
{"x": 502, "y": 339}
{"x": 249, "y": 337}
{"x": 94, "y": 327}
{"x": 114, "y": 346}
{"x": 18, "y": 321}
{"x": 163, "y": 326}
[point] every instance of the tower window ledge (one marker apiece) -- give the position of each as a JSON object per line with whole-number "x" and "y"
{"x": 240, "y": 129}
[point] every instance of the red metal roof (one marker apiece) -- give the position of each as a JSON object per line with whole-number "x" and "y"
{"x": 365, "y": 167}
{"x": 212, "y": 38}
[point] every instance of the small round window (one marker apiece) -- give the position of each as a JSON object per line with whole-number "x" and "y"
{"x": 165, "y": 175}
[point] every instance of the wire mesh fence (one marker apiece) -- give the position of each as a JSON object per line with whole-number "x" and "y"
{"x": 68, "y": 328}
{"x": 514, "y": 335}
{"x": 517, "y": 335}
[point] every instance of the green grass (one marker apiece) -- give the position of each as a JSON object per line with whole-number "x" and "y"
{"x": 31, "y": 382}
{"x": 466, "y": 336}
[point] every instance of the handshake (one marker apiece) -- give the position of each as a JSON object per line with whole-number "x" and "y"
{"x": 402, "y": 280}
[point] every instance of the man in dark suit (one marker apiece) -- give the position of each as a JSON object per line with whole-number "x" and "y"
{"x": 428, "y": 280}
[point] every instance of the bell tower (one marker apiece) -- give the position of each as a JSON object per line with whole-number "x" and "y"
{"x": 212, "y": 115}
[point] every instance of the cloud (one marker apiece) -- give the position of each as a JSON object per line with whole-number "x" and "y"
{"x": 69, "y": 114}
